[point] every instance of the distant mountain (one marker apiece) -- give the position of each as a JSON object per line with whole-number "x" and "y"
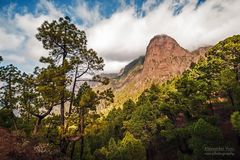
{"x": 164, "y": 59}
{"x": 133, "y": 64}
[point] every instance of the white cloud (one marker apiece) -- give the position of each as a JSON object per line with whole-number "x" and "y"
{"x": 28, "y": 25}
{"x": 15, "y": 58}
{"x": 125, "y": 36}
{"x": 88, "y": 16}
{"x": 9, "y": 41}
{"x": 117, "y": 38}
{"x": 49, "y": 7}
{"x": 148, "y": 5}
{"x": 114, "y": 66}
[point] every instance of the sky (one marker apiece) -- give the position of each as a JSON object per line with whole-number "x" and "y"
{"x": 118, "y": 30}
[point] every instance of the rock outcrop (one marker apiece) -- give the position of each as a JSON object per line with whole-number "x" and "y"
{"x": 164, "y": 59}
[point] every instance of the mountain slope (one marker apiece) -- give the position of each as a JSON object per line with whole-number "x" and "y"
{"x": 164, "y": 59}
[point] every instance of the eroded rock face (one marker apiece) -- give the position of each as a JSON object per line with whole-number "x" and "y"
{"x": 164, "y": 59}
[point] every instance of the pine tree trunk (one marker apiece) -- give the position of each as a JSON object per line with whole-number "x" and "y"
{"x": 63, "y": 144}
{"x": 10, "y": 102}
{"x": 230, "y": 95}
{"x": 14, "y": 120}
{"x": 73, "y": 91}
{"x": 82, "y": 148}
{"x": 81, "y": 133}
{"x": 149, "y": 151}
{"x": 72, "y": 96}
{"x": 211, "y": 106}
{"x": 73, "y": 149}
{"x": 238, "y": 139}
{"x": 37, "y": 125}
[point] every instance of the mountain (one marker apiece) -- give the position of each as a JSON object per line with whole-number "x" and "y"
{"x": 164, "y": 59}
{"x": 125, "y": 71}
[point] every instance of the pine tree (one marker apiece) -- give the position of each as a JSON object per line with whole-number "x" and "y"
{"x": 68, "y": 51}
{"x": 10, "y": 79}
{"x": 64, "y": 41}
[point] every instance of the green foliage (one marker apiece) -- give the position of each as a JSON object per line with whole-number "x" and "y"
{"x": 128, "y": 107}
{"x": 10, "y": 78}
{"x": 86, "y": 97}
{"x": 61, "y": 37}
{"x": 51, "y": 129}
{"x": 143, "y": 122}
{"x": 203, "y": 135}
{"x": 235, "y": 120}
{"x": 41, "y": 91}
{"x": 5, "y": 118}
{"x": 87, "y": 155}
{"x": 129, "y": 148}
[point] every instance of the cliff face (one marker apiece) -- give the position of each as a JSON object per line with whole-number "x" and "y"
{"x": 164, "y": 59}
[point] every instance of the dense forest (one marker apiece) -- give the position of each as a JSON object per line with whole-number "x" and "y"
{"x": 53, "y": 110}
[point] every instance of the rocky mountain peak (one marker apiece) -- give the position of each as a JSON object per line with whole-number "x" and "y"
{"x": 163, "y": 41}
{"x": 164, "y": 59}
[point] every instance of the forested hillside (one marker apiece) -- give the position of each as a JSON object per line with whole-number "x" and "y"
{"x": 191, "y": 115}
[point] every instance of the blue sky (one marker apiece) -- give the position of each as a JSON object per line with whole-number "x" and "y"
{"x": 119, "y": 30}
{"x": 108, "y": 7}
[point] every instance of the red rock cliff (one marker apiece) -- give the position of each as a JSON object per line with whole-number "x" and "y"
{"x": 165, "y": 58}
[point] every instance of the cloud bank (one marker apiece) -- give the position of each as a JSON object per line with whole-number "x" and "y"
{"x": 125, "y": 34}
